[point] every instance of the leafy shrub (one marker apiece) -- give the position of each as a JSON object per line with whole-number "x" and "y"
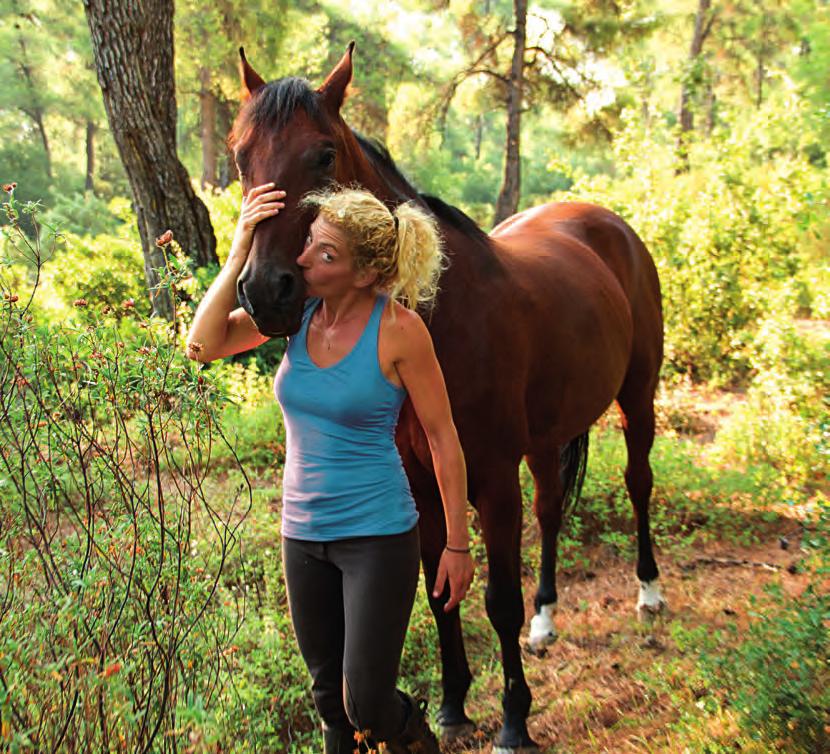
{"x": 772, "y": 680}
{"x": 779, "y": 676}
{"x": 82, "y": 214}
{"x": 785, "y": 421}
{"x": 113, "y": 618}
{"x": 105, "y": 269}
{"x": 726, "y": 236}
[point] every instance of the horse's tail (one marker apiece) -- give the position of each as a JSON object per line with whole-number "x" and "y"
{"x": 573, "y": 463}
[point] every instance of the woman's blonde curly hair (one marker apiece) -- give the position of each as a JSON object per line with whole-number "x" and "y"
{"x": 402, "y": 245}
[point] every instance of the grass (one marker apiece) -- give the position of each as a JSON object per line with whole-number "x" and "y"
{"x": 609, "y": 683}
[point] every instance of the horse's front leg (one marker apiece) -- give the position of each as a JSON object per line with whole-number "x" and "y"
{"x": 499, "y": 503}
{"x": 455, "y": 671}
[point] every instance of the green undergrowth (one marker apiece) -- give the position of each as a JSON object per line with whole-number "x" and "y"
{"x": 766, "y": 687}
{"x": 693, "y": 501}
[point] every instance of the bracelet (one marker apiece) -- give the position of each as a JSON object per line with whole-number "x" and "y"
{"x": 464, "y": 551}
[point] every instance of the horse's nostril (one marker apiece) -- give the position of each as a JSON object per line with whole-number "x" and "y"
{"x": 244, "y": 302}
{"x": 285, "y": 286}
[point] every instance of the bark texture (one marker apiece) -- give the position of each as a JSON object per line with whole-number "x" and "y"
{"x": 133, "y": 49}
{"x": 207, "y": 109}
{"x": 508, "y": 201}
{"x": 89, "y": 184}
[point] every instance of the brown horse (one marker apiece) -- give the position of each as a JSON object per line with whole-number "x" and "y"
{"x": 538, "y": 327}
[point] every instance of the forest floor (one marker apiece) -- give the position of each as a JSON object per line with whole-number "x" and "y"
{"x": 611, "y": 683}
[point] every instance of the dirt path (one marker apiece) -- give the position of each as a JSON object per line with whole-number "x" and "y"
{"x": 591, "y": 692}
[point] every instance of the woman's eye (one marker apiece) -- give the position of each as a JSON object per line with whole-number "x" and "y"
{"x": 327, "y": 257}
{"x": 308, "y": 240}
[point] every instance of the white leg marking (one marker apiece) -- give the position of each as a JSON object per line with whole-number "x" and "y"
{"x": 651, "y": 601}
{"x": 542, "y": 629}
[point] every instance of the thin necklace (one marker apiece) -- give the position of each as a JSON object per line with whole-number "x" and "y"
{"x": 325, "y": 334}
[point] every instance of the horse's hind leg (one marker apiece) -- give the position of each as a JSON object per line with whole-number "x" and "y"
{"x": 543, "y": 462}
{"x": 637, "y": 409}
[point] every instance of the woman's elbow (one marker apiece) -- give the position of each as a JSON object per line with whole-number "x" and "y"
{"x": 444, "y": 439}
{"x": 196, "y": 352}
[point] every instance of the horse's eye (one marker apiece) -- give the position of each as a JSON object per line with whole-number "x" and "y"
{"x": 327, "y": 158}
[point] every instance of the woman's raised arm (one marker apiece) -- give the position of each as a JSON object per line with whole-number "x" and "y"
{"x": 218, "y": 329}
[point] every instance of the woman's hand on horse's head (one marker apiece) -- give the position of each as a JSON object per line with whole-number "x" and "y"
{"x": 260, "y": 203}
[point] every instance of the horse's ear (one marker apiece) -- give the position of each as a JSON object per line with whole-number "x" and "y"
{"x": 251, "y": 80}
{"x": 334, "y": 87}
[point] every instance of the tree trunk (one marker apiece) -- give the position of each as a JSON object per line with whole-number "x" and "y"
{"x": 760, "y": 68}
{"x": 133, "y": 48}
{"x": 207, "y": 106}
{"x": 228, "y": 172}
{"x": 41, "y": 127}
{"x": 711, "y": 110}
{"x": 703, "y": 25}
{"x": 89, "y": 184}
{"x": 508, "y": 201}
{"x": 36, "y": 111}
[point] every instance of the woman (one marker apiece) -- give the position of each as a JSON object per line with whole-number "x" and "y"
{"x": 349, "y": 523}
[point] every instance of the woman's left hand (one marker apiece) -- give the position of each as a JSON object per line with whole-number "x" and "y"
{"x": 457, "y": 568}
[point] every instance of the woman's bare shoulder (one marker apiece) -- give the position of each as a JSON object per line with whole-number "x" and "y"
{"x": 405, "y": 331}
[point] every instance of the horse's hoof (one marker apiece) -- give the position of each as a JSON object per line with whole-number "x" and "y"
{"x": 538, "y": 645}
{"x": 449, "y": 733}
{"x": 651, "y": 602}
{"x": 453, "y": 724}
{"x": 542, "y": 630}
{"x": 514, "y": 739}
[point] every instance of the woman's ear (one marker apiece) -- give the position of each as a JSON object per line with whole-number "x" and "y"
{"x": 366, "y": 277}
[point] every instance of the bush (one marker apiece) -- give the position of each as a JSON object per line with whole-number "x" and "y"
{"x": 726, "y": 236}
{"x": 785, "y": 421}
{"x": 82, "y": 214}
{"x": 116, "y": 624}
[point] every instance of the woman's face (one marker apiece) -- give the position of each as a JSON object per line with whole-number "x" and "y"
{"x": 327, "y": 262}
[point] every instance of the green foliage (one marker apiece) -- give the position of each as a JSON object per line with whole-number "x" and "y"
{"x": 779, "y": 678}
{"x": 785, "y": 420}
{"x": 108, "y": 269}
{"x": 722, "y": 235}
{"x": 82, "y": 214}
{"x": 776, "y": 677}
{"x": 113, "y": 612}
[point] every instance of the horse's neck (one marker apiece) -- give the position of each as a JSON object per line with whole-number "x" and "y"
{"x": 474, "y": 262}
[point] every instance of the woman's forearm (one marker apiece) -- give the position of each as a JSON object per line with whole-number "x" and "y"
{"x": 209, "y": 330}
{"x": 210, "y": 323}
{"x": 451, "y": 473}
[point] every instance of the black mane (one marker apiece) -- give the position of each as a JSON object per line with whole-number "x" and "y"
{"x": 451, "y": 215}
{"x": 274, "y": 105}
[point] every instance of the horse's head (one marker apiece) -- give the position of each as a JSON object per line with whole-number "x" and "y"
{"x": 294, "y": 136}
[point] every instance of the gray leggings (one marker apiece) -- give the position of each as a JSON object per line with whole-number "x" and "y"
{"x": 350, "y": 603}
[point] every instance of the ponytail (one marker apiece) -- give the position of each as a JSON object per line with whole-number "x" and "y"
{"x": 402, "y": 246}
{"x": 419, "y": 259}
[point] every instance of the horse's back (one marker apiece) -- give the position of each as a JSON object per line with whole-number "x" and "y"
{"x": 603, "y": 231}
{"x": 590, "y": 280}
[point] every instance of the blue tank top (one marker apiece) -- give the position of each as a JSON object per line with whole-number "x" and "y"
{"x": 343, "y": 475}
